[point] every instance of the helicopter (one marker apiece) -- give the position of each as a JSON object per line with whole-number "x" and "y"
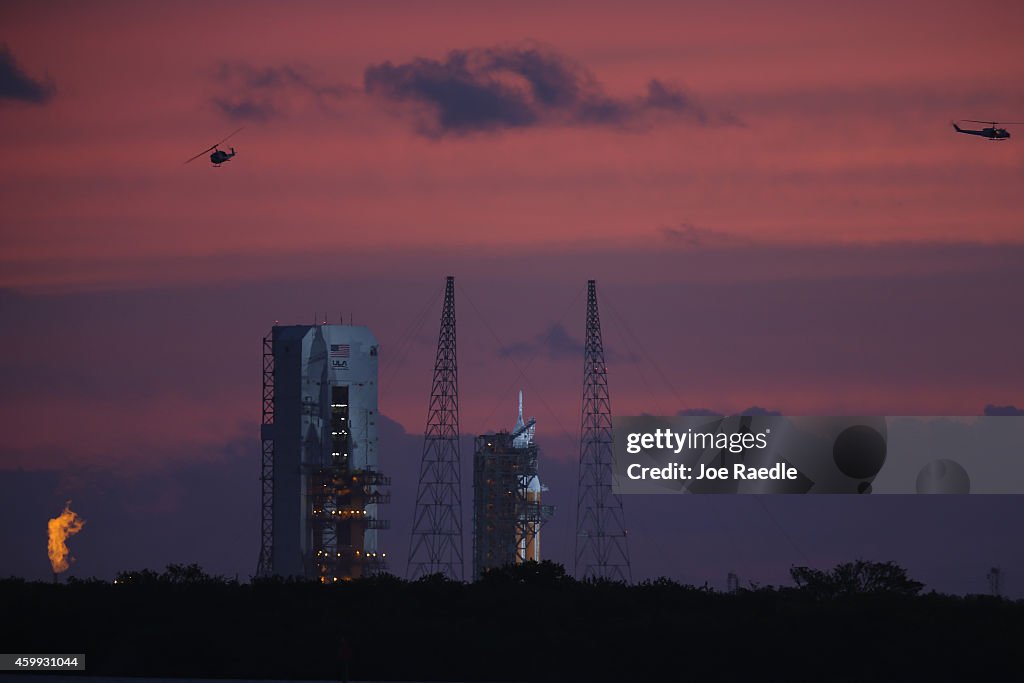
{"x": 992, "y": 133}
{"x": 219, "y": 156}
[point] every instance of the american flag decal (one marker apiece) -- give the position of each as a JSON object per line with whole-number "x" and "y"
{"x": 339, "y": 350}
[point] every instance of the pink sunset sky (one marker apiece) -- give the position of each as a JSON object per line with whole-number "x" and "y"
{"x": 770, "y": 196}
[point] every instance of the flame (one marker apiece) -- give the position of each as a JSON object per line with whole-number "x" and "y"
{"x": 61, "y": 528}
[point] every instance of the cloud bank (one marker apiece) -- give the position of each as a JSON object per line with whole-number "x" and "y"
{"x": 500, "y": 88}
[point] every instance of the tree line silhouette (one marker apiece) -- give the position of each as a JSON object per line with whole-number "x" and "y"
{"x": 860, "y": 621}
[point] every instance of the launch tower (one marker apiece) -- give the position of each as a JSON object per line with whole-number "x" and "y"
{"x": 322, "y": 489}
{"x": 507, "y": 508}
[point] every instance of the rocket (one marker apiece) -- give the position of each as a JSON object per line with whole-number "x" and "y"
{"x": 522, "y": 437}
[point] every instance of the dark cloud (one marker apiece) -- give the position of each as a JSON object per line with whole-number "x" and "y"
{"x": 278, "y": 78}
{"x": 15, "y": 84}
{"x": 759, "y": 411}
{"x": 1003, "y": 411}
{"x": 247, "y": 109}
{"x": 263, "y": 93}
{"x": 556, "y": 343}
{"x": 662, "y": 96}
{"x": 690, "y": 236}
{"x": 499, "y": 88}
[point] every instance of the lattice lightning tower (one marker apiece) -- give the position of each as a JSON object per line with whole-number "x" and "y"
{"x": 265, "y": 564}
{"x": 602, "y": 551}
{"x": 436, "y": 542}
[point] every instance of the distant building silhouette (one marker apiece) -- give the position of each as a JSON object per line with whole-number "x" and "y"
{"x": 995, "y": 582}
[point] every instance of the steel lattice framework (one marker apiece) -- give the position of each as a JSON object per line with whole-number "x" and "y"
{"x": 602, "y": 550}
{"x": 265, "y": 565}
{"x": 507, "y": 516}
{"x": 436, "y": 542}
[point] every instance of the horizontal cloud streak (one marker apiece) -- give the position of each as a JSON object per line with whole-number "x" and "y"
{"x": 261, "y": 94}
{"x": 689, "y": 236}
{"x": 1003, "y": 411}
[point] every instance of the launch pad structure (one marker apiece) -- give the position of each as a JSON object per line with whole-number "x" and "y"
{"x": 507, "y": 509}
{"x": 321, "y": 486}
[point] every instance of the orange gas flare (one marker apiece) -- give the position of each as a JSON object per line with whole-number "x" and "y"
{"x": 61, "y": 528}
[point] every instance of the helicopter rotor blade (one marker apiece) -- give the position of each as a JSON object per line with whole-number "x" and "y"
{"x": 208, "y": 149}
{"x": 213, "y": 147}
{"x": 994, "y": 123}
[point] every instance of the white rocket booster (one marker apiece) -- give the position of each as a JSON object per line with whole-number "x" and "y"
{"x": 522, "y": 437}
